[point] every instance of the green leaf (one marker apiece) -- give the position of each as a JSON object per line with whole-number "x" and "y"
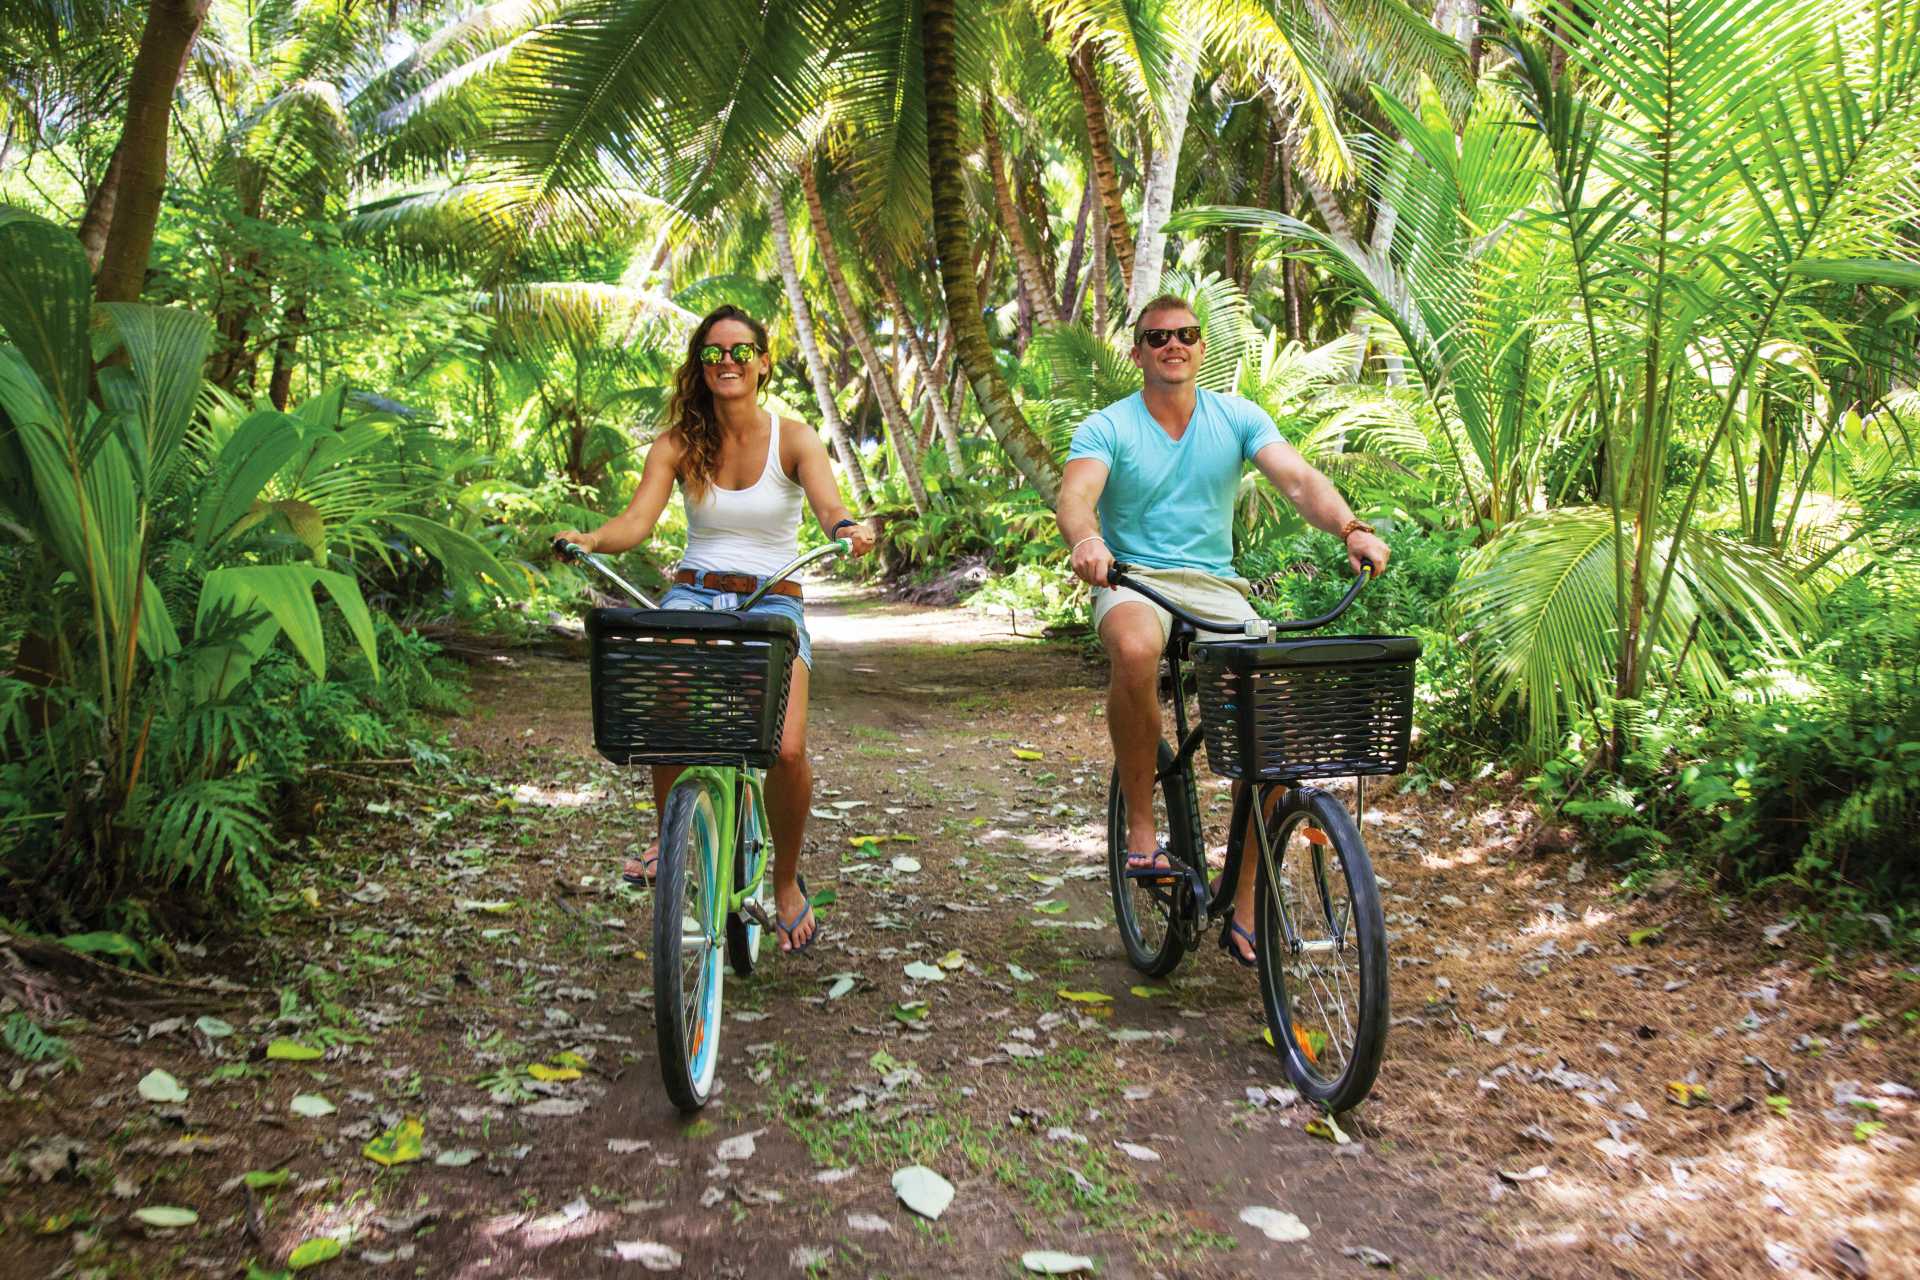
{"x": 265, "y": 441}
{"x": 46, "y": 304}
{"x": 267, "y": 1179}
{"x": 166, "y": 348}
{"x": 117, "y": 946}
{"x": 1882, "y": 271}
{"x": 284, "y": 592}
{"x": 398, "y": 1145}
{"x": 166, "y": 1215}
{"x": 311, "y": 1253}
{"x": 293, "y": 1051}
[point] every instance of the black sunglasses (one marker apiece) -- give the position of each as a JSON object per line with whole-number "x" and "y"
{"x": 742, "y": 352}
{"x": 1189, "y": 335}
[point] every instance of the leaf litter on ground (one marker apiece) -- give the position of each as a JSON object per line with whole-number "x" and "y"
{"x": 923, "y": 1191}
{"x": 160, "y": 1086}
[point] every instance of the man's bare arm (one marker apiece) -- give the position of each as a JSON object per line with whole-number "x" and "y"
{"x": 1318, "y": 502}
{"x": 1080, "y": 488}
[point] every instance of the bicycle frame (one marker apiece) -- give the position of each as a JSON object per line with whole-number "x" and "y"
{"x": 1185, "y": 630}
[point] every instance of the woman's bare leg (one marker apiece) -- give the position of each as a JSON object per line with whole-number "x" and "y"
{"x": 647, "y": 864}
{"x": 789, "y": 793}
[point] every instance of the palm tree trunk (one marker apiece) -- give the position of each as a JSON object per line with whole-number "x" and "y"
{"x": 936, "y": 403}
{"x": 878, "y": 377}
{"x": 1028, "y": 453}
{"x": 1038, "y": 288}
{"x": 280, "y": 386}
{"x": 1100, "y": 148}
{"x": 1070, "y": 287}
{"x": 1291, "y": 284}
{"x": 99, "y": 215}
{"x": 171, "y": 28}
{"x": 1033, "y": 202}
{"x": 1151, "y": 254}
{"x": 809, "y": 342}
{"x": 1098, "y": 269}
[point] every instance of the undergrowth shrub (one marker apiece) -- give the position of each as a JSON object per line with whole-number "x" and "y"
{"x": 1802, "y": 775}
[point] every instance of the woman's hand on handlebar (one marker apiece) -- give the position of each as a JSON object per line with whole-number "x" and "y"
{"x": 1092, "y": 561}
{"x": 1367, "y": 551}
{"x": 861, "y": 536}
{"x": 584, "y": 541}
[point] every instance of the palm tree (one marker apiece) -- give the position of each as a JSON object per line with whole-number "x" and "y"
{"x": 1027, "y": 452}
{"x": 899, "y": 428}
{"x": 140, "y": 161}
{"x": 1750, "y": 150}
{"x": 809, "y": 344}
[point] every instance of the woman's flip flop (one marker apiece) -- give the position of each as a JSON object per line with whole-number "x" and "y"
{"x": 795, "y": 948}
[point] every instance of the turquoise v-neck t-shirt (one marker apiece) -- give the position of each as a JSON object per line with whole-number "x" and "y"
{"x": 1168, "y": 503}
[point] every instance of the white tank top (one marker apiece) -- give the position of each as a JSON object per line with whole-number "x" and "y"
{"x": 754, "y": 530}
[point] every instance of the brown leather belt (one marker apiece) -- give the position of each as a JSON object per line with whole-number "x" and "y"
{"x": 741, "y": 584}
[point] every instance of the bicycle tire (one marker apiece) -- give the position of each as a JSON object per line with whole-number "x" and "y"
{"x": 1168, "y": 904}
{"x": 686, "y": 1017}
{"x": 744, "y": 933}
{"x": 1333, "y": 918}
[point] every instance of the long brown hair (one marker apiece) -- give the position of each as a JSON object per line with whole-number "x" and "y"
{"x": 690, "y": 411}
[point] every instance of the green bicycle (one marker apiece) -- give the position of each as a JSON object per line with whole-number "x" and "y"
{"x": 706, "y": 689}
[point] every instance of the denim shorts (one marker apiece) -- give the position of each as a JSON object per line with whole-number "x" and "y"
{"x": 683, "y": 595}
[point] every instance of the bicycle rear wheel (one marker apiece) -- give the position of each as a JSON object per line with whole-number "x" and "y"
{"x": 1151, "y": 915}
{"x": 1322, "y": 950}
{"x": 687, "y": 946}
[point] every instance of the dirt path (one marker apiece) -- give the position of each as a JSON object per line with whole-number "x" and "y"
{"x": 451, "y": 938}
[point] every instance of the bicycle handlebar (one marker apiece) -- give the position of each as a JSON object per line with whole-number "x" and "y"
{"x": 1254, "y": 628}
{"x": 575, "y": 553}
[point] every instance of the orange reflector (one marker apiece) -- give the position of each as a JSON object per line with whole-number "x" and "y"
{"x": 1306, "y": 1045}
{"x": 1314, "y": 835}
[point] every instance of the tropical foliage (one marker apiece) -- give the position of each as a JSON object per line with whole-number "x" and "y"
{"x": 1603, "y": 312}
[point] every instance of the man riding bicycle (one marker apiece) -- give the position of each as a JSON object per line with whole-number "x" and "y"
{"x": 1150, "y": 481}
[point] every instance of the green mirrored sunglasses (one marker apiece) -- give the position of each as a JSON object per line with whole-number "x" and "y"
{"x": 742, "y": 352}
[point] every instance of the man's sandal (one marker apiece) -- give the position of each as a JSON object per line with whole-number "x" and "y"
{"x": 1226, "y": 943}
{"x": 795, "y": 948}
{"x": 1151, "y": 867}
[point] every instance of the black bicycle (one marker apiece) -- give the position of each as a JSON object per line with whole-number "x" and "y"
{"x": 1275, "y": 715}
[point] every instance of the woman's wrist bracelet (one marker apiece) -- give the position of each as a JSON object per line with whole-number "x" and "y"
{"x": 1084, "y": 541}
{"x": 848, "y": 523}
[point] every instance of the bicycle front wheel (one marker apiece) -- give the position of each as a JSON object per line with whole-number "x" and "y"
{"x": 688, "y": 942}
{"x": 1150, "y": 910}
{"x": 1322, "y": 950}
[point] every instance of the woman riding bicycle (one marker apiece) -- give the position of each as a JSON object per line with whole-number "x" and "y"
{"x": 742, "y": 474}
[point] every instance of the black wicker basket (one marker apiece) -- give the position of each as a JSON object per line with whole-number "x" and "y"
{"x": 1328, "y": 707}
{"x": 688, "y": 686}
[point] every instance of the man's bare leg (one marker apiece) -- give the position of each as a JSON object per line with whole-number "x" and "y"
{"x": 1243, "y": 905}
{"x": 1131, "y": 635}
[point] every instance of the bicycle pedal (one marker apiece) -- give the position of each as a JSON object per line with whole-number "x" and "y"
{"x": 758, "y": 914}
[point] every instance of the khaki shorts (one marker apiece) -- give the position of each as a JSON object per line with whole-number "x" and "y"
{"x": 1198, "y": 592}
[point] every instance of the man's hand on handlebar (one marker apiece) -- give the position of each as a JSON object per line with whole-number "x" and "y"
{"x": 1366, "y": 550}
{"x": 584, "y": 541}
{"x": 1092, "y": 561}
